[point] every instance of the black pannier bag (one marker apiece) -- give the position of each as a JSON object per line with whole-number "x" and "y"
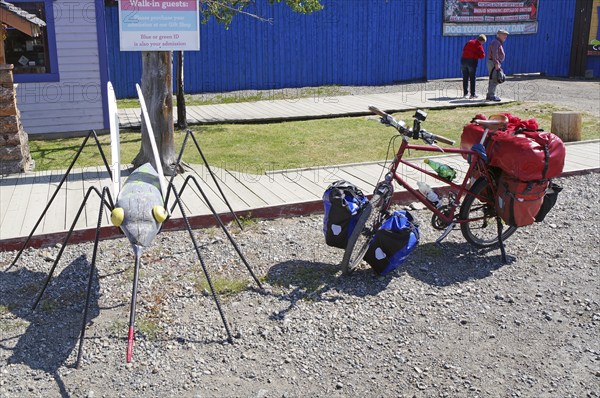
{"x": 549, "y": 201}
{"x": 343, "y": 203}
{"x": 397, "y": 237}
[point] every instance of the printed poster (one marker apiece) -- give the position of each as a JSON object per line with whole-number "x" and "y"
{"x": 159, "y": 25}
{"x": 471, "y": 18}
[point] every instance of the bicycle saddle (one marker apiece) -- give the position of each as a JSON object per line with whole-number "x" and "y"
{"x": 495, "y": 121}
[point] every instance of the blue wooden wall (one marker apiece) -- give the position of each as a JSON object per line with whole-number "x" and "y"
{"x": 349, "y": 42}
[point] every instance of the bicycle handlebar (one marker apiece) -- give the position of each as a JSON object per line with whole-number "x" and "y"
{"x": 400, "y": 126}
{"x": 377, "y": 111}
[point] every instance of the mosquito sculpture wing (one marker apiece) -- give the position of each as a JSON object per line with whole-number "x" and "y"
{"x": 113, "y": 119}
{"x": 157, "y": 162}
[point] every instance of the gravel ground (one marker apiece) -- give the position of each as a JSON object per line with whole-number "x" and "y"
{"x": 452, "y": 321}
{"x": 560, "y": 91}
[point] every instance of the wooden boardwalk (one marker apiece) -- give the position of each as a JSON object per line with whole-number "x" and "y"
{"x": 274, "y": 193}
{"x": 310, "y": 108}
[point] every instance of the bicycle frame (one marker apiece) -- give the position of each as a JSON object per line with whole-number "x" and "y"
{"x": 461, "y": 190}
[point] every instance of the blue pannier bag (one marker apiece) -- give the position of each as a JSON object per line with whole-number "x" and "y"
{"x": 397, "y": 237}
{"x": 343, "y": 204}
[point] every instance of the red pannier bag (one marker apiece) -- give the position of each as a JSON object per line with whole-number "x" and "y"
{"x": 518, "y": 202}
{"x": 527, "y": 155}
{"x": 472, "y": 132}
{"x": 471, "y": 135}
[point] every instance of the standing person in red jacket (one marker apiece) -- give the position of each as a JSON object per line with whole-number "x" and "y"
{"x": 472, "y": 53}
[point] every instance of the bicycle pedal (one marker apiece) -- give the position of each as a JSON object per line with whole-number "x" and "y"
{"x": 448, "y": 229}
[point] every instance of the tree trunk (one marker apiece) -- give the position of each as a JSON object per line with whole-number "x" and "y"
{"x": 157, "y": 87}
{"x": 181, "y": 111}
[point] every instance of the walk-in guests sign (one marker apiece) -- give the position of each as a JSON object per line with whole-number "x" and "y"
{"x": 159, "y": 25}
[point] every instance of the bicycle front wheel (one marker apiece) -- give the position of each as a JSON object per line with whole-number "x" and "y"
{"x": 361, "y": 236}
{"x": 483, "y": 232}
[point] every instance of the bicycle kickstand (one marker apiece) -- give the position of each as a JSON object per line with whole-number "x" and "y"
{"x": 448, "y": 229}
{"x": 501, "y": 241}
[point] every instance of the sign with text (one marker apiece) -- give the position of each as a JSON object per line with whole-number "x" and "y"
{"x": 472, "y": 17}
{"x": 159, "y": 25}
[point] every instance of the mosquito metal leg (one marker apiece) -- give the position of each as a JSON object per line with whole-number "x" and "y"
{"x": 204, "y": 269}
{"x": 64, "y": 245}
{"x": 90, "y": 278}
{"x": 224, "y": 228}
{"x": 131, "y": 331}
{"x": 214, "y": 178}
{"x": 501, "y": 240}
{"x": 62, "y": 181}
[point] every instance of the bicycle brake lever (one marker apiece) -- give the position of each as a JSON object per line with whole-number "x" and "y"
{"x": 438, "y": 147}
{"x": 385, "y": 121}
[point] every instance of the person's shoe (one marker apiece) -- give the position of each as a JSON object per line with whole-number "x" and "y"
{"x": 466, "y": 96}
{"x": 492, "y": 98}
{"x": 473, "y": 97}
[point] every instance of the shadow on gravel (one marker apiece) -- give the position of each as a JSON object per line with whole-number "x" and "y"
{"x": 452, "y": 263}
{"x": 311, "y": 280}
{"x": 55, "y": 325}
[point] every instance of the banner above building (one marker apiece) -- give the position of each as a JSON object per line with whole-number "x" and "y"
{"x": 471, "y": 18}
{"x": 159, "y": 25}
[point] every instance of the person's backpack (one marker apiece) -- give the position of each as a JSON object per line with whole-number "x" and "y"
{"x": 343, "y": 204}
{"x": 519, "y": 202}
{"x": 397, "y": 237}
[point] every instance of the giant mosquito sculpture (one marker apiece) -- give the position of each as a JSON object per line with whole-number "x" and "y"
{"x": 141, "y": 208}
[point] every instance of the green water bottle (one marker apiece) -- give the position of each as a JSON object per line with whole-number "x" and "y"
{"x": 443, "y": 170}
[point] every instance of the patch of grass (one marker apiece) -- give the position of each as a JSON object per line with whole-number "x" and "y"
{"x": 290, "y": 94}
{"x": 149, "y": 328}
{"x": 256, "y": 148}
{"x": 248, "y": 221}
{"x": 224, "y": 286}
{"x": 118, "y": 328}
{"x": 49, "y": 305}
{"x": 129, "y": 273}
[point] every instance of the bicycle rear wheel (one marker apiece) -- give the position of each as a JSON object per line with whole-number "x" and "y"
{"x": 483, "y": 232}
{"x": 361, "y": 236}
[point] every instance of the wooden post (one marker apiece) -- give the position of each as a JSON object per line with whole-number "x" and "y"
{"x": 157, "y": 86}
{"x": 567, "y": 125}
{"x": 181, "y": 111}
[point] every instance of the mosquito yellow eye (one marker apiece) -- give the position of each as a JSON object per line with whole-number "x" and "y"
{"x": 159, "y": 213}
{"x": 117, "y": 216}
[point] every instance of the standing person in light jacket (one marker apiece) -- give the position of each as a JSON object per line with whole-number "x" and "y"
{"x": 472, "y": 53}
{"x": 494, "y": 62}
